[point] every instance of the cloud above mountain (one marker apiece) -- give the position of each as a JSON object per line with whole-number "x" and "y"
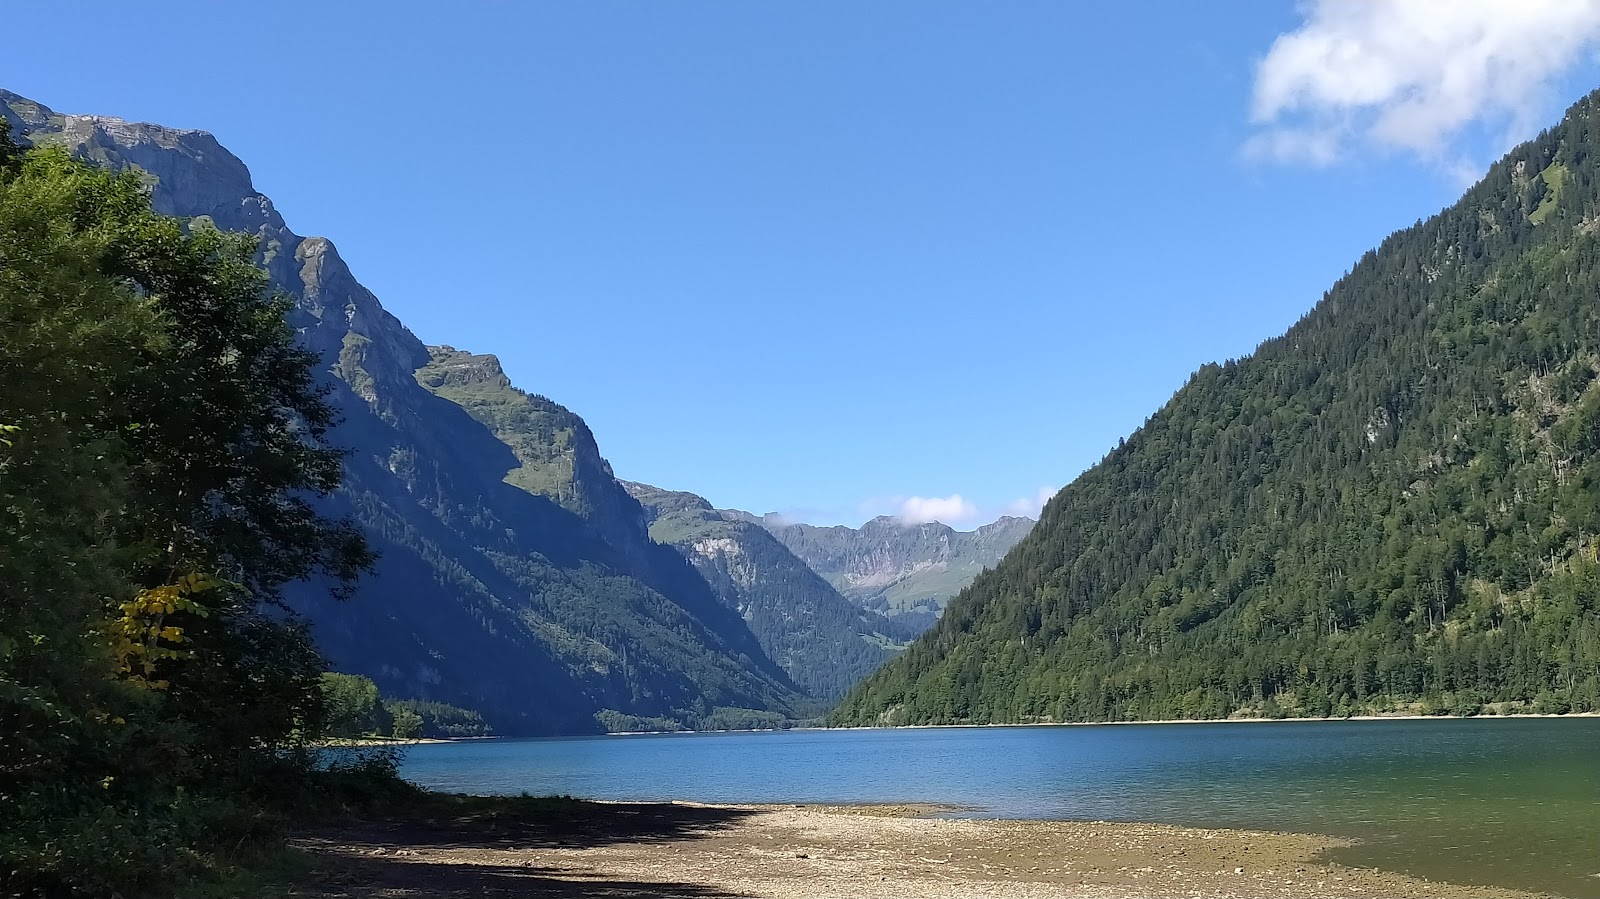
{"x": 959, "y": 512}
{"x": 952, "y": 510}
{"x": 1413, "y": 75}
{"x": 955, "y": 510}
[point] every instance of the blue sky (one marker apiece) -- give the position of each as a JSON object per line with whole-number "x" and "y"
{"x": 836, "y": 259}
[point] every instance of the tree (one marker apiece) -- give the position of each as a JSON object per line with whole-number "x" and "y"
{"x": 162, "y": 445}
{"x": 353, "y": 706}
{"x": 407, "y": 724}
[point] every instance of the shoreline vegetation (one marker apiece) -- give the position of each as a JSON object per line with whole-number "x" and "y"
{"x": 371, "y": 741}
{"x": 451, "y": 845}
{"x": 1237, "y": 720}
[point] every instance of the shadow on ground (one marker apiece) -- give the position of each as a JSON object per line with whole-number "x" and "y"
{"x": 390, "y": 857}
{"x": 472, "y": 822}
{"x": 364, "y": 878}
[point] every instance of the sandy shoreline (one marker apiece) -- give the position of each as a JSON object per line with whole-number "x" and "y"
{"x": 687, "y": 851}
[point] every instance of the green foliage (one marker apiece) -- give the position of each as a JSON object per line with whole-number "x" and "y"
{"x": 616, "y": 722}
{"x": 1393, "y": 507}
{"x": 162, "y": 436}
{"x": 406, "y": 724}
{"x": 354, "y": 710}
{"x": 720, "y": 718}
{"x": 353, "y": 707}
{"x": 743, "y": 719}
{"x": 439, "y": 719}
{"x": 1552, "y": 179}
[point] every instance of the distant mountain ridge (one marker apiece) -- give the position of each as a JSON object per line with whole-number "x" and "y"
{"x": 906, "y": 572}
{"x": 824, "y": 641}
{"x": 516, "y": 577}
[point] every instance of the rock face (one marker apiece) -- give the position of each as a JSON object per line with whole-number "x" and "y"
{"x": 824, "y": 641}
{"x": 557, "y": 453}
{"x": 906, "y": 572}
{"x": 516, "y": 575}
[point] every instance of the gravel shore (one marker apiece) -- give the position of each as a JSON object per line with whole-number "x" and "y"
{"x": 682, "y": 851}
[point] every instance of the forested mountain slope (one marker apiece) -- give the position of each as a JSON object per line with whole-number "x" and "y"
{"x": 550, "y": 611}
{"x": 825, "y": 642}
{"x": 904, "y": 571}
{"x": 1394, "y": 505}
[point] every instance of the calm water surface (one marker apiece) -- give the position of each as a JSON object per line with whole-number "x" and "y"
{"x": 1513, "y": 802}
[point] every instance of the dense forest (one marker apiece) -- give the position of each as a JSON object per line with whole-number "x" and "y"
{"x": 356, "y": 710}
{"x": 162, "y": 438}
{"x": 1393, "y": 506}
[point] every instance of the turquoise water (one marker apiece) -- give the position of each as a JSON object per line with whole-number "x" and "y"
{"x": 1512, "y": 802}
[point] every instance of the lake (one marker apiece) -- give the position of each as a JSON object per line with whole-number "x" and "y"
{"x": 1510, "y": 802}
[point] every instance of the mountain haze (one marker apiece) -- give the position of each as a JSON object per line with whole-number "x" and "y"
{"x": 516, "y": 576}
{"x": 1392, "y": 506}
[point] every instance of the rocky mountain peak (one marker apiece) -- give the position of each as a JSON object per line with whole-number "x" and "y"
{"x": 658, "y": 502}
{"x": 1004, "y": 524}
{"x": 192, "y": 176}
{"x": 189, "y": 172}
{"x": 453, "y": 367}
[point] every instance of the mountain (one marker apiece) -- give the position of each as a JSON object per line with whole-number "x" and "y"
{"x": 904, "y": 571}
{"x": 517, "y": 577}
{"x": 1393, "y": 506}
{"x": 557, "y": 454}
{"x": 825, "y": 642}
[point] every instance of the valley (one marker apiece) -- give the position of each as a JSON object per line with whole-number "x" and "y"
{"x": 476, "y": 588}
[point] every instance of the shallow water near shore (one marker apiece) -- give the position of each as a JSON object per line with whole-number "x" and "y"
{"x": 1513, "y": 802}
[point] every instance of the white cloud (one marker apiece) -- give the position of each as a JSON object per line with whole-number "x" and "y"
{"x": 1031, "y": 506}
{"x": 951, "y": 510}
{"x": 959, "y": 512}
{"x": 1410, "y": 75}
{"x": 954, "y": 510}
